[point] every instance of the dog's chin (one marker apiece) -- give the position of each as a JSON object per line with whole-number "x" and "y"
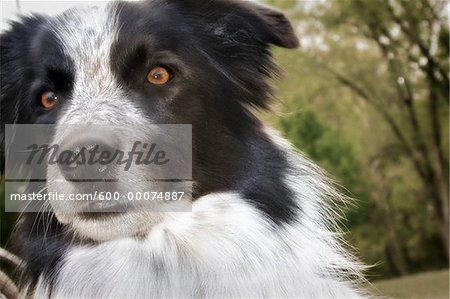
{"x": 109, "y": 226}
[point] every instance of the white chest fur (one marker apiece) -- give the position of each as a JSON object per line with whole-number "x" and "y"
{"x": 224, "y": 248}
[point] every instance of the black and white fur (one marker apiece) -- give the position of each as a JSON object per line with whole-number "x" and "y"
{"x": 262, "y": 222}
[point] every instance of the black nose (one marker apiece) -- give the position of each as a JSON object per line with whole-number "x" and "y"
{"x": 87, "y": 157}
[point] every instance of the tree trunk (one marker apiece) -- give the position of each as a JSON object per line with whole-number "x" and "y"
{"x": 395, "y": 247}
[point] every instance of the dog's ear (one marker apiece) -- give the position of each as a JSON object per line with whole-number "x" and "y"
{"x": 271, "y": 25}
{"x": 245, "y": 19}
{"x": 237, "y": 35}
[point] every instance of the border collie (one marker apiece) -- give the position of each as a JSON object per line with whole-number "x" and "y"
{"x": 263, "y": 217}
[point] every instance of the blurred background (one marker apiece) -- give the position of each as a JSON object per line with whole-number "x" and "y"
{"x": 366, "y": 96}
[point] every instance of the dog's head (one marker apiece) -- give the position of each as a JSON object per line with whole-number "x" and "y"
{"x": 135, "y": 64}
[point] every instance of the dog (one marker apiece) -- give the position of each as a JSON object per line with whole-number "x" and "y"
{"x": 263, "y": 218}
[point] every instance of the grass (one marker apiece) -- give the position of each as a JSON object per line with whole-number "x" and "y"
{"x": 424, "y": 285}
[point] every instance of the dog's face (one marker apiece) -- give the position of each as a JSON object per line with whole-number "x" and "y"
{"x": 197, "y": 62}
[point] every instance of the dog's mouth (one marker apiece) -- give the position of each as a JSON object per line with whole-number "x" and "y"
{"x": 101, "y": 207}
{"x": 100, "y": 210}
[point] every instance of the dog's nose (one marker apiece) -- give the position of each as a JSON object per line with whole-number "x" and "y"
{"x": 88, "y": 157}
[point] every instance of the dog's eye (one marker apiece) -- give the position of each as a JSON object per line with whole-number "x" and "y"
{"x": 159, "y": 75}
{"x": 49, "y": 100}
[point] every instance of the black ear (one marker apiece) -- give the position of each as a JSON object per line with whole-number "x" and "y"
{"x": 263, "y": 24}
{"x": 272, "y": 25}
{"x": 237, "y": 35}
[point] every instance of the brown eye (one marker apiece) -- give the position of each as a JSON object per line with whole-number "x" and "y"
{"x": 159, "y": 75}
{"x": 49, "y": 100}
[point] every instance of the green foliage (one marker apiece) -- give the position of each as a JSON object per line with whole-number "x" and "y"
{"x": 322, "y": 144}
{"x": 332, "y": 151}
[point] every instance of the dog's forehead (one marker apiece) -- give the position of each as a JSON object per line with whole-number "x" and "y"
{"x": 86, "y": 36}
{"x": 82, "y": 30}
{"x": 86, "y": 32}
